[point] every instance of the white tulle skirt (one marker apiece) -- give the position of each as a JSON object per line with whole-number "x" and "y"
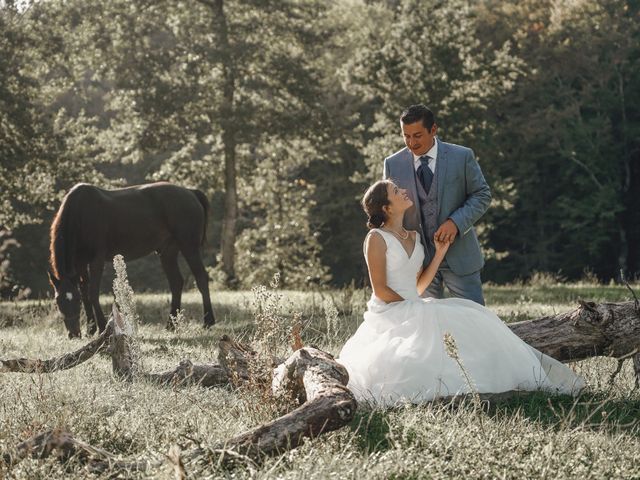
{"x": 398, "y": 354}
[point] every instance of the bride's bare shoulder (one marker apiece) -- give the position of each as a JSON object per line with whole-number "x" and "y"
{"x": 374, "y": 241}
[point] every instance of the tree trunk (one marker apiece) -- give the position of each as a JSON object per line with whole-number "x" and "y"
{"x": 228, "y": 124}
{"x": 623, "y": 256}
{"x": 314, "y": 377}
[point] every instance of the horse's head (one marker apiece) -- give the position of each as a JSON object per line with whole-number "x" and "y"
{"x": 68, "y": 301}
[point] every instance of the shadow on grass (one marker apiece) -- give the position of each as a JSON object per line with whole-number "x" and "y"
{"x": 591, "y": 411}
{"x": 556, "y": 294}
{"x": 371, "y": 430}
{"x": 14, "y": 314}
{"x": 595, "y": 412}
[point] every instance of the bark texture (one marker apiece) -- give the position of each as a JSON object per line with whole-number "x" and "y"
{"x": 122, "y": 357}
{"x": 591, "y": 330}
{"x": 186, "y": 373}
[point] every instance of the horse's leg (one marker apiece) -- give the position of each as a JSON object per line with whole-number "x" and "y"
{"x": 95, "y": 275}
{"x": 88, "y": 307}
{"x": 169, "y": 260}
{"x": 194, "y": 260}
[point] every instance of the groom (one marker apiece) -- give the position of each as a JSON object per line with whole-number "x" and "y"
{"x": 449, "y": 195}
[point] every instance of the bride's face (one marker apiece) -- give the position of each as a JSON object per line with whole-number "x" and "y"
{"x": 399, "y": 201}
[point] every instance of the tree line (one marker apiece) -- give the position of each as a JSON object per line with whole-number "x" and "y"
{"x": 282, "y": 112}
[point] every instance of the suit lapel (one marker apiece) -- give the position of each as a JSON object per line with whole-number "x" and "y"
{"x": 441, "y": 168}
{"x": 411, "y": 175}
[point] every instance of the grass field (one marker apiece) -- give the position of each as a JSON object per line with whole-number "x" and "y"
{"x": 530, "y": 436}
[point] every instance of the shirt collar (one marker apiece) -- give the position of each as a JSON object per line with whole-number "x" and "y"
{"x": 432, "y": 152}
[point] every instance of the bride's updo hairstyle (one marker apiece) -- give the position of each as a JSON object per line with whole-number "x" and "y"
{"x": 375, "y": 198}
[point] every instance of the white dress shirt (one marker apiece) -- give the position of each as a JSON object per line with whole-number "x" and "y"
{"x": 433, "y": 155}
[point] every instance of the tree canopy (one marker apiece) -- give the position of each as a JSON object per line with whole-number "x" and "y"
{"x": 282, "y": 112}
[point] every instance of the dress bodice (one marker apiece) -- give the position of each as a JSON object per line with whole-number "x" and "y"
{"x": 402, "y": 268}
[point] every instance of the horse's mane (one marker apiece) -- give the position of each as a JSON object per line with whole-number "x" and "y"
{"x": 62, "y": 237}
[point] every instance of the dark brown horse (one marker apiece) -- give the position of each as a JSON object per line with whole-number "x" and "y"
{"x": 93, "y": 225}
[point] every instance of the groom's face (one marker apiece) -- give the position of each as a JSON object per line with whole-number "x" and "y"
{"x": 417, "y": 138}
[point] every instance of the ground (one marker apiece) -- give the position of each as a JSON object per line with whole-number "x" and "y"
{"x": 533, "y": 436}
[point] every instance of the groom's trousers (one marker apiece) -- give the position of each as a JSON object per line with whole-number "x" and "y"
{"x": 461, "y": 286}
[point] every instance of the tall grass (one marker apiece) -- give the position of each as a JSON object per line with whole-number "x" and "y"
{"x": 528, "y": 436}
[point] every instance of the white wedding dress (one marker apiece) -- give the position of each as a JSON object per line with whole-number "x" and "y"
{"x": 398, "y": 353}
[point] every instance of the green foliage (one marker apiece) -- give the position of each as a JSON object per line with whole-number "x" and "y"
{"x": 566, "y": 142}
{"x": 286, "y": 110}
{"x": 26, "y": 179}
{"x": 278, "y": 237}
{"x": 9, "y": 287}
{"x": 430, "y": 53}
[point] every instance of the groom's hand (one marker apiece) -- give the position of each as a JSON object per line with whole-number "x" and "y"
{"x": 447, "y": 232}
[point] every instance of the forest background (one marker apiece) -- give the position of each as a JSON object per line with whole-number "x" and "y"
{"x": 283, "y": 111}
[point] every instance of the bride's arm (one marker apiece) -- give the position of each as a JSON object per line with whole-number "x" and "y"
{"x": 375, "y": 252}
{"x": 426, "y": 277}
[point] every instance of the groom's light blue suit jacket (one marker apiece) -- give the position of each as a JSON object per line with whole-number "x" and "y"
{"x": 463, "y": 196}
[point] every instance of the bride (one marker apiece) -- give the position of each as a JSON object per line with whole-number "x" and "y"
{"x": 398, "y": 354}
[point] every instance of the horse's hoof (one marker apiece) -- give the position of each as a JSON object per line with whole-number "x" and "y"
{"x": 209, "y": 324}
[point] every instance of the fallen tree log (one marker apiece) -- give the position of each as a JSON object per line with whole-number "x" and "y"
{"x": 314, "y": 377}
{"x": 187, "y": 373}
{"x": 235, "y": 358}
{"x": 605, "y": 329}
{"x": 63, "y": 362}
{"x": 234, "y": 361}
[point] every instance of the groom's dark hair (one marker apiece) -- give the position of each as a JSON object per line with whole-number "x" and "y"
{"x": 416, "y": 113}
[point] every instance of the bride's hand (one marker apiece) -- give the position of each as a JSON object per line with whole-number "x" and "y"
{"x": 441, "y": 246}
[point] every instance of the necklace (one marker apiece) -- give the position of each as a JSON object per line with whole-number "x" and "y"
{"x": 397, "y": 234}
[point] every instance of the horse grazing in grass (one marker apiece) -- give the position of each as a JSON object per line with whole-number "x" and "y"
{"x": 93, "y": 225}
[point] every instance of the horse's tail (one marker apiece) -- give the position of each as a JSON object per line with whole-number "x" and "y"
{"x": 204, "y": 201}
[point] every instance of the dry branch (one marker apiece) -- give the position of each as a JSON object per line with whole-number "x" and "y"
{"x": 186, "y": 373}
{"x": 234, "y": 358}
{"x": 63, "y": 362}
{"x": 65, "y": 447}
